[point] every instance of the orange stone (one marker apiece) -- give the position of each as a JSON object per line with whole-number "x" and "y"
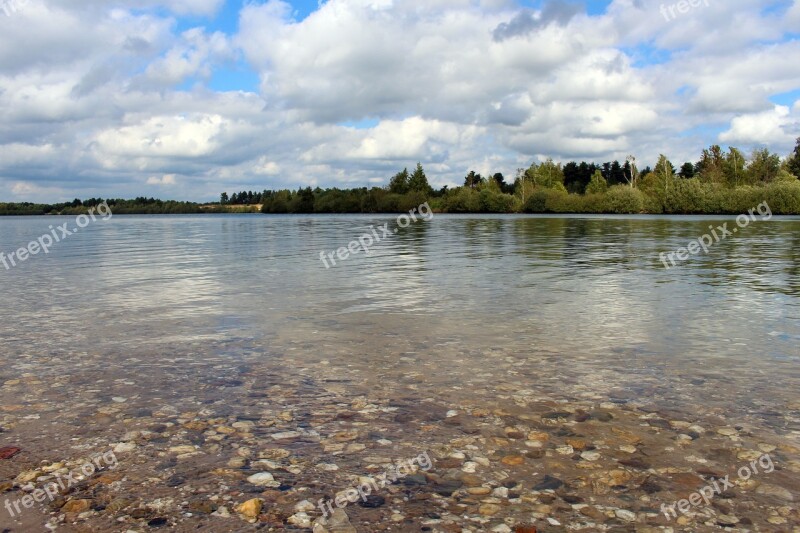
{"x": 513, "y": 460}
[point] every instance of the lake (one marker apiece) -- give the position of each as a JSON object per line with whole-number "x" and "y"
{"x": 464, "y": 336}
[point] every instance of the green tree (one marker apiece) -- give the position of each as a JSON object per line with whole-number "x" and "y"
{"x": 764, "y": 166}
{"x": 223, "y": 198}
{"x": 733, "y": 167}
{"x": 548, "y": 175}
{"x": 711, "y": 166}
{"x": 598, "y": 184}
{"x": 793, "y": 162}
{"x": 304, "y": 201}
{"x": 419, "y": 182}
{"x": 399, "y": 184}
{"x": 687, "y": 171}
{"x": 473, "y": 180}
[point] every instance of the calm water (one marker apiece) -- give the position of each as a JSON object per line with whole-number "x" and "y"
{"x": 581, "y": 286}
{"x": 146, "y": 323}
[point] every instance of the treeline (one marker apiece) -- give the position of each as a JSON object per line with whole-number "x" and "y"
{"x": 137, "y": 206}
{"x": 721, "y": 181}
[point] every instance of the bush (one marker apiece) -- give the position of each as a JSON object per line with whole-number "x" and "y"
{"x": 622, "y": 199}
{"x": 782, "y": 197}
{"x": 495, "y": 202}
{"x": 461, "y": 200}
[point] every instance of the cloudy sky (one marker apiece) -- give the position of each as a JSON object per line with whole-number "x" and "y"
{"x": 186, "y": 98}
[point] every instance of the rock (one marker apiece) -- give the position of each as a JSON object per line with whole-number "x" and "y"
{"x": 626, "y": 436}
{"x": 124, "y": 447}
{"x": 251, "y": 508}
{"x": 415, "y": 480}
{"x": 549, "y": 483}
{"x": 263, "y": 479}
{"x": 286, "y": 435}
{"x": 578, "y": 444}
{"x": 489, "y": 509}
{"x": 775, "y": 491}
{"x": 77, "y": 506}
{"x": 158, "y": 522}
{"x": 727, "y": 520}
{"x": 623, "y": 514}
{"x": 338, "y": 522}
{"x": 513, "y": 460}
{"x": 590, "y": 456}
{"x": 300, "y": 520}
{"x": 8, "y": 452}
{"x": 372, "y": 502}
{"x": 304, "y": 506}
{"x": 525, "y": 529}
{"x": 538, "y": 436}
{"x": 471, "y": 480}
{"x": 118, "y": 504}
{"x": 449, "y": 462}
{"x": 184, "y": 449}
{"x": 635, "y": 462}
{"x": 202, "y": 507}
{"x": 602, "y": 416}
{"x": 557, "y": 415}
{"x": 447, "y": 487}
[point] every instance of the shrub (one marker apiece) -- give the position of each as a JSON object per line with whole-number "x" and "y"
{"x": 622, "y": 199}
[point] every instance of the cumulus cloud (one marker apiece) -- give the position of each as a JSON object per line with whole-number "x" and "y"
{"x": 528, "y": 21}
{"x": 778, "y": 126}
{"x": 126, "y": 99}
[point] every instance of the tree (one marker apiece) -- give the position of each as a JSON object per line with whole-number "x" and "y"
{"x": 399, "y": 183}
{"x": 687, "y": 171}
{"x": 223, "y": 198}
{"x": 472, "y": 180}
{"x": 664, "y": 172}
{"x": 501, "y": 181}
{"x": 419, "y": 182}
{"x": 764, "y": 166}
{"x": 793, "y": 162}
{"x": 598, "y": 184}
{"x": 631, "y": 174}
{"x": 548, "y": 175}
{"x": 304, "y": 201}
{"x": 711, "y": 166}
{"x": 616, "y": 174}
{"x": 734, "y": 167}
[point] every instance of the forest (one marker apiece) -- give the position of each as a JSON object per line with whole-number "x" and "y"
{"x": 720, "y": 182}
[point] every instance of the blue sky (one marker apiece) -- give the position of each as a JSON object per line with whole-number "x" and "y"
{"x": 187, "y": 98}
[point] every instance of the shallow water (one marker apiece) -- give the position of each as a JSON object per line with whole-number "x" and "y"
{"x": 238, "y": 315}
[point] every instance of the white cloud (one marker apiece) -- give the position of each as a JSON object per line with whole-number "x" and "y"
{"x": 99, "y": 100}
{"x": 775, "y": 127}
{"x": 166, "y": 179}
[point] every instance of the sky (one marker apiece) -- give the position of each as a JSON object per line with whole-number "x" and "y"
{"x": 184, "y": 99}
